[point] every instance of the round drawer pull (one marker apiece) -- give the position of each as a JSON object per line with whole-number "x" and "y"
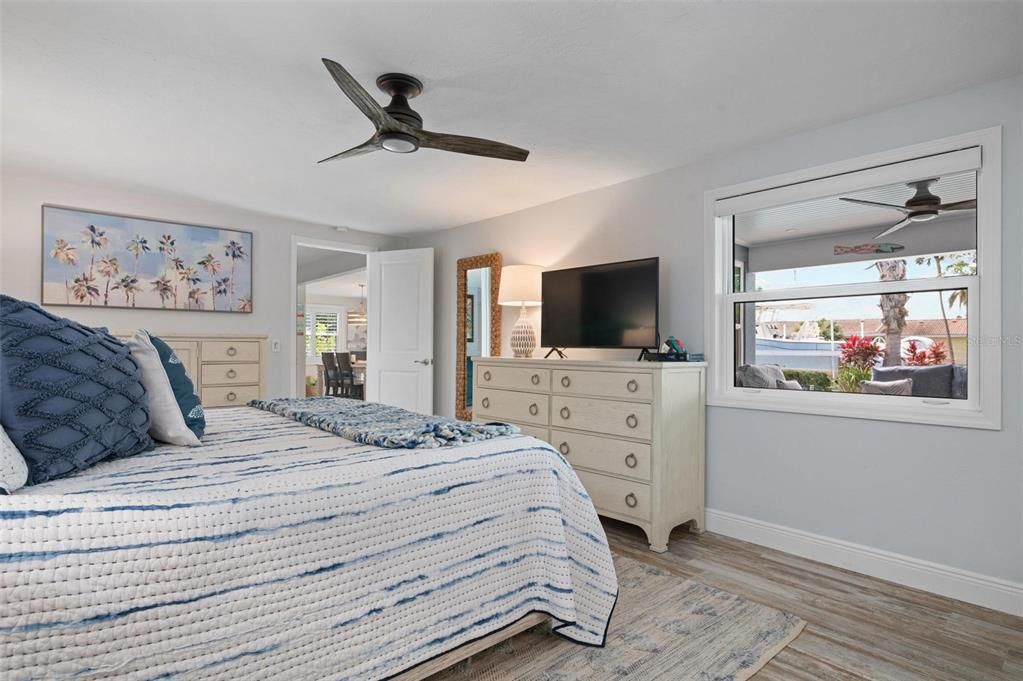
{"x": 631, "y": 500}
{"x": 564, "y": 448}
{"x": 631, "y": 421}
{"x": 565, "y": 413}
{"x": 231, "y": 397}
{"x": 232, "y": 351}
{"x": 631, "y": 461}
{"x": 533, "y": 409}
{"x": 486, "y": 375}
{"x": 231, "y": 373}
{"x": 535, "y": 378}
{"x": 632, "y": 386}
{"x": 485, "y": 402}
{"x": 566, "y": 381}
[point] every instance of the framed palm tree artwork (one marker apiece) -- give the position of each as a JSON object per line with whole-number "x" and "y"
{"x": 105, "y": 259}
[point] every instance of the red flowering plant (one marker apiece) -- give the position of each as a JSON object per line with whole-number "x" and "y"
{"x": 914, "y": 356}
{"x": 858, "y": 357}
{"x": 861, "y": 352}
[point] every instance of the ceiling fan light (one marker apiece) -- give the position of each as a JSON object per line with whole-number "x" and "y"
{"x": 399, "y": 142}
{"x": 922, "y": 217}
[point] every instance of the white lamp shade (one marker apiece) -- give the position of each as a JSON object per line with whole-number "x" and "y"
{"x": 520, "y": 285}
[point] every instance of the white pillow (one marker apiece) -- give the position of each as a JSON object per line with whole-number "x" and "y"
{"x": 166, "y": 423}
{"x": 13, "y": 470}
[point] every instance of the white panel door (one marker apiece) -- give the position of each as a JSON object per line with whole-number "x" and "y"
{"x": 399, "y": 351}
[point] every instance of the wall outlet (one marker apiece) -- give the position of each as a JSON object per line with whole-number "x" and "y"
{"x": 275, "y": 345}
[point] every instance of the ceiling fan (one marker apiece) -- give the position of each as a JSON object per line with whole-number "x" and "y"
{"x": 921, "y": 207}
{"x": 399, "y": 128}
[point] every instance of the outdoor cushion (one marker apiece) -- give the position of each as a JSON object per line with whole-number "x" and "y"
{"x": 788, "y": 385}
{"x": 901, "y": 387}
{"x": 13, "y": 470}
{"x": 959, "y": 382}
{"x": 175, "y": 413}
{"x": 759, "y": 375}
{"x": 72, "y": 395}
{"x": 928, "y": 381}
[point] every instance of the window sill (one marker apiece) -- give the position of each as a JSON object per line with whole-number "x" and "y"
{"x": 916, "y": 411}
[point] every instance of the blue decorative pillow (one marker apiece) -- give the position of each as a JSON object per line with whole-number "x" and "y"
{"x": 184, "y": 389}
{"x": 71, "y": 394}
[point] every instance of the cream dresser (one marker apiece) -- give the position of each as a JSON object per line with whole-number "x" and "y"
{"x": 633, "y": 431}
{"x": 227, "y": 370}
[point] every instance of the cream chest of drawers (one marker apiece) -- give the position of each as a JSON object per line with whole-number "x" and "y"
{"x": 226, "y": 370}
{"x": 633, "y": 431}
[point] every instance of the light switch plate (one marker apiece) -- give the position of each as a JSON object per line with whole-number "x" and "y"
{"x": 275, "y": 345}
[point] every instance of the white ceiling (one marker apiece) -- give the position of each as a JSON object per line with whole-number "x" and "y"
{"x": 345, "y": 285}
{"x": 229, "y": 102}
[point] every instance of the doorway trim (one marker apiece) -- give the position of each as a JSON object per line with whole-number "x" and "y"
{"x": 292, "y": 342}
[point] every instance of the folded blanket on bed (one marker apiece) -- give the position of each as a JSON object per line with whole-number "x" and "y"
{"x": 381, "y": 425}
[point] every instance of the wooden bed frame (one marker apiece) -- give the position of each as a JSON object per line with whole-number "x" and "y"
{"x": 442, "y": 662}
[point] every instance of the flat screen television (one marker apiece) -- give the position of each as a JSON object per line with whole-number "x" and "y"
{"x": 601, "y": 306}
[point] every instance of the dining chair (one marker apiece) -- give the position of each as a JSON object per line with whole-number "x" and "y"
{"x": 332, "y": 374}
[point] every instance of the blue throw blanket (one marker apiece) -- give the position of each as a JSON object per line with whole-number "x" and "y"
{"x": 381, "y": 425}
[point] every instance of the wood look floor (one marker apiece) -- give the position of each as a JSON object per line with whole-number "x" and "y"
{"x": 858, "y": 628}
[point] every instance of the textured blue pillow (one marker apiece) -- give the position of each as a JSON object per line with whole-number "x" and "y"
{"x": 71, "y": 394}
{"x": 184, "y": 389}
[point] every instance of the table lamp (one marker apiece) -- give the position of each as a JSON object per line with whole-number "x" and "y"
{"x": 520, "y": 285}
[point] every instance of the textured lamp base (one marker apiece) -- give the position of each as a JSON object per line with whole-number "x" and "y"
{"x": 523, "y": 337}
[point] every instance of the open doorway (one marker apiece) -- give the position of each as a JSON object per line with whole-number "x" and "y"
{"x": 329, "y": 283}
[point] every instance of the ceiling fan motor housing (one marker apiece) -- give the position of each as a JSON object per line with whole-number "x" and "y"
{"x": 923, "y": 204}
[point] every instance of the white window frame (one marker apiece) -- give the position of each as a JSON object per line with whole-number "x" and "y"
{"x": 311, "y": 310}
{"x": 983, "y": 409}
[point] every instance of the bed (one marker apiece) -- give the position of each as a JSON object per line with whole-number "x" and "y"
{"x": 277, "y": 550}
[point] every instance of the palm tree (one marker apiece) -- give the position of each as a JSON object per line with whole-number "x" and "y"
{"x": 167, "y": 249}
{"x": 96, "y": 239}
{"x": 65, "y": 253}
{"x": 893, "y": 310}
{"x": 937, "y": 261}
{"x": 179, "y": 267}
{"x": 195, "y": 295}
{"x": 128, "y": 283}
{"x": 235, "y": 251}
{"x": 108, "y": 269}
{"x": 245, "y": 304}
{"x": 220, "y": 288}
{"x": 138, "y": 245}
{"x": 163, "y": 288}
{"x": 212, "y": 266}
{"x": 84, "y": 288}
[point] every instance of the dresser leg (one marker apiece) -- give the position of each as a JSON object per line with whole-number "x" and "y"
{"x": 658, "y": 539}
{"x": 698, "y": 525}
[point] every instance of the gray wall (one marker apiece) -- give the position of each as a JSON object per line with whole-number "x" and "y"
{"x": 948, "y": 495}
{"x": 20, "y": 264}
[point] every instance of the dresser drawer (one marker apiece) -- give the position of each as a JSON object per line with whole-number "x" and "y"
{"x": 517, "y": 407}
{"x": 639, "y": 386}
{"x": 513, "y": 378}
{"x": 606, "y": 454}
{"x": 535, "y": 431}
{"x": 229, "y": 396}
{"x": 229, "y": 374}
{"x": 630, "y": 419}
{"x": 230, "y": 351}
{"x": 616, "y": 495}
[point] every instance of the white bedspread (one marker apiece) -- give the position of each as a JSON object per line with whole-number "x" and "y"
{"x": 281, "y": 551}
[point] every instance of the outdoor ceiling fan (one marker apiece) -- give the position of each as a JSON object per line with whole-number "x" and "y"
{"x": 399, "y": 128}
{"x": 921, "y": 207}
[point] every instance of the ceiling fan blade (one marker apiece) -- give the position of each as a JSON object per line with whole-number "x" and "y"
{"x": 969, "y": 204}
{"x": 372, "y": 144}
{"x": 362, "y": 99}
{"x": 470, "y": 145}
{"x": 875, "y": 204}
{"x": 894, "y": 228}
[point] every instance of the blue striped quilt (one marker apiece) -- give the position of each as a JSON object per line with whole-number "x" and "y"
{"x": 382, "y": 425}
{"x": 277, "y": 550}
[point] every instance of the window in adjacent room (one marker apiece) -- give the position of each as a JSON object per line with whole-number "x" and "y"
{"x": 323, "y": 330}
{"x": 869, "y": 292}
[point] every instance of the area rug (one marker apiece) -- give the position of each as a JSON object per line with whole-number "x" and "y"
{"x": 664, "y": 627}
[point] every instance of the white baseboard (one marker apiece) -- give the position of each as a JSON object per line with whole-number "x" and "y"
{"x": 963, "y": 585}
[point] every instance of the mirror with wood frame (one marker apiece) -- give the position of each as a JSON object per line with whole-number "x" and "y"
{"x": 478, "y": 328}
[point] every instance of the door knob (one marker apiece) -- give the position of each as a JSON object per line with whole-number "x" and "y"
{"x": 425, "y": 362}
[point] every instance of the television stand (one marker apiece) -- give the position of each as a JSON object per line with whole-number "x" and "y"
{"x": 550, "y": 352}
